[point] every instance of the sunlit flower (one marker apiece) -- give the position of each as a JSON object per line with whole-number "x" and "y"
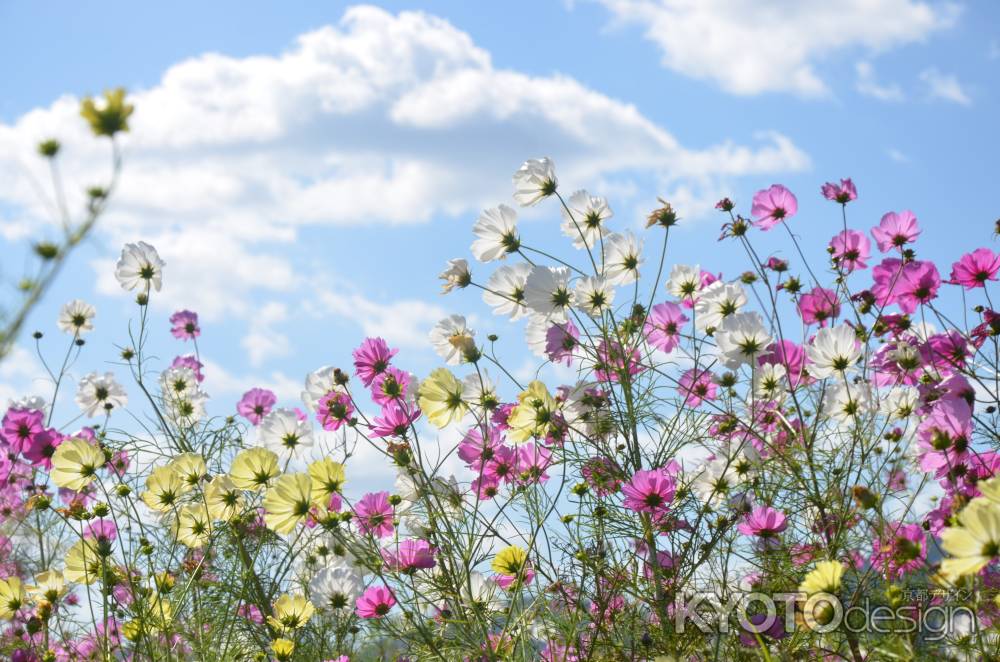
{"x": 975, "y": 268}
{"x": 533, "y": 414}
{"x": 184, "y": 325}
{"x": 376, "y": 602}
{"x": 82, "y": 564}
{"x": 548, "y": 293}
{"x": 100, "y": 394}
{"x": 454, "y": 341}
{"x": 163, "y": 489}
{"x": 440, "y": 397}
{"x": 772, "y": 206}
{"x": 973, "y": 544}
{"x": 139, "y": 265}
{"x": 194, "y": 525}
{"x": 909, "y": 284}
{"x": 824, "y": 578}
{"x": 324, "y": 380}
{"x": 820, "y": 305}
{"x": 684, "y": 282}
{"x": 479, "y": 391}
{"x": 457, "y": 274}
{"x": 50, "y": 586}
{"x": 496, "y": 232}
{"x": 335, "y": 410}
{"x": 256, "y": 404}
{"x": 583, "y": 221}
{"x": 663, "y": 326}
{"x": 373, "y": 514}
{"x": 833, "y": 351}
{"x": 336, "y": 587}
{"x": 291, "y": 612}
{"x": 622, "y": 258}
{"x": 504, "y": 291}
{"x": 718, "y": 478}
{"x": 12, "y": 597}
{"x": 697, "y": 386}
{"x": 843, "y": 192}
{"x": 847, "y": 403}
{"x": 284, "y": 433}
{"x": 223, "y": 498}
{"x": 75, "y": 464}
{"x": 741, "y": 338}
{"x": 510, "y": 561}
{"x": 649, "y": 491}
{"x": 371, "y": 359}
{"x": 770, "y": 380}
{"x": 534, "y": 180}
{"x": 594, "y": 295}
{"x": 716, "y": 302}
{"x": 287, "y": 502}
{"x": 409, "y": 555}
{"x": 76, "y": 317}
{"x": 850, "y": 250}
{"x": 283, "y": 649}
{"x": 190, "y": 467}
{"x": 763, "y": 522}
{"x": 896, "y": 230}
{"x": 327, "y": 479}
{"x": 253, "y": 468}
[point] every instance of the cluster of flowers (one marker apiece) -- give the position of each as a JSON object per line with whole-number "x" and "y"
{"x": 700, "y": 443}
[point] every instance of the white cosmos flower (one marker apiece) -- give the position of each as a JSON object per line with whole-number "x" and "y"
{"x": 900, "y": 402}
{"x": 319, "y": 383}
{"x": 741, "y": 338}
{"x": 76, "y": 317}
{"x": 282, "y": 432}
{"x": 833, "y": 351}
{"x": 586, "y": 225}
{"x": 548, "y": 293}
{"x": 716, "y": 480}
{"x": 36, "y": 402}
{"x": 770, "y": 382}
{"x": 594, "y": 295}
{"x": 505, "y": 290}
{"x": 178, "y": 382}
{"x": 535, "y": 335}
{"x": 336, "y": 588}
{"x": 534, "y": 180}
{"x": 453, "y": 340}
{"x": 496, "y": 232}
{"x": 846, "y": 403}
{"x": 480, "y": 391}
{"x": 482, "y": 592}
{"x": 186, "y": 408}
{"x": 622, "y": 257}
{"x": 99, "y": 394}
{"x": 139, "y": 265}
{"x": 684, "y": 281}
{"x": 457, "y": 274}
{"x": 716, "y": 302}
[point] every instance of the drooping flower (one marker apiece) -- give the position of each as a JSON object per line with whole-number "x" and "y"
{"x": 834, "y": 350}
{"x": 896, "y": 230}
{"x": 773, "y": 205}
{"x": 370, "y": 360}
{"x": 649, "y": 491}
{"x": 184, "y": 325}
{"x": 505, "y": 289}
{"x": 741, "y": 338}
{"x": 763, "y": 522}
{"x": 139, "y": 265}
{"x": 663, "y": 326}
{"x": 583, "y": 221}
{"x": 850, "y": 250}
{"x": 376, "y": 602}
{"x": 75, "y": 464}
{"x": 100, "y": 393}
{"x": 843, "y": 193}
{"x": 456, "y": 275}
{"x": 284, "y": 433}
{"x": 287, "y": 502}
{"x": 622, "y": 258}
{"x": 496, "y": 232}
{"x": 256, "y": 404}
{"x": 547, "y": 292}
{"x": 819, "y": 306}
{"x": 76, "y": 317}
{"x": 373, "y": 515}
{"x": 975, "y": 268}
{"x": 440, "y": 397}
{"x": 454, "y": 341}
{"x": 534, "y": 181}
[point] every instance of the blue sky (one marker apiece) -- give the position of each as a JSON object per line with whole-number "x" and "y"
{"x": 305, "y": 193}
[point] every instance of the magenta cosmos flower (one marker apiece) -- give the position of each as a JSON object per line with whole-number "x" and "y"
{"x": 375, "y": 602}
{"x": 697, "y": 386}
{"x": 256, "y": 404}
{"x": 819, "y": 306}
{"x": 334, "y": 409}
{"x": 20, "y": 426}
{"x": 790, "y": 355}
{"x": 371, "y": 359}
{"x": 663, "y": 326}
{"x": 975, "y": 268}
{"x": 410, "y": 555}
{"x": 373, "y": 514}
{"x": 395, "y": 420}
{"x": 649, "y": 491}
{"x": 560, "y": 341}
{"x": 908, "y": 284}
{"x": 763, "y": 522}
{"x": 476, "y": 451}
{"x": 773, "y": 205}
{"x": 843, "y": 192}
{"x": 189, "y": 361}
{"x": 901, "y": 549}
{"x": 896, "y": 230}
{"x": 390, "y": 384}
{"x": 184, "y": 325}
{"x": 851, "y": 250}
{"x": 42, "y": 447}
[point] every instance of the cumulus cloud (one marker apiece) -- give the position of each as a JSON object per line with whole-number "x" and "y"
{"x": 944, "y": 86}
{"x": 753, "y": 46}
{"x": 380, "y": 119}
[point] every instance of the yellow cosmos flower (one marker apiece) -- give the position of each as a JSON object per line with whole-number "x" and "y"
{"x": 290, "y": 612}
{"x": 12, "y": 596}
{"x": 159, "y": 613}
{"x": 533, "y": 413}
{"x": 254, "y": 468}
{"x": 49, "y": 586}
{"x": 163, "y": 488}
{"x": 327, "y": 478}
{"x": 223, "y": 498}
{"x": 825, "y": 578}
{"x": 282, "y": 649}
{"x": 287, "y": 502}
{"x": 83, "y": 563}
{"x": 75, "y": 463}
{"x": 510, "y": 561}
{"x": 194, "y": 525}
{"x": 990, "y": 489}
{"x": 190, "y": 467}
{"x": 975, "y": 542}
{"x": 440, "y": 398}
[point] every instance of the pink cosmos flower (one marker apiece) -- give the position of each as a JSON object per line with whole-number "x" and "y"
{"x": 251, "y": 613}
{"x": 558, "y": 652}
{"x": 506, "y": 582}
{"x": 612, "y": 361}
{"x": 697, "y": 386}
{"x": 943, "y": 437}
{"x": 474, "y": 450}
{"x": 757, "y": 623}
{"x": 485, "y": 487}
{"x": 395, "y": 421}
{"x": 410, "y": 555}
{"x": 773, "y": 205}
{"x": 975, "y": 268}
{"x": 42, "y": 447}
{"x": 334, "y": 409}
{"x": 256, "y": 404}
{"x": 101, "y": 530}
{"x": 763, "y": 522}
{"x": 532, "y": 461}
{"x": 560, "y": 341}
{"x": 649, "y": 491}
{"x": 375, "y": 602}
{"x": 372, "y": 358}
{"x": 663, "y": 325}
{"x": 189, "y": 361}
{"x": 776, "y": 264}
{"x": 851, "y": 250}
{"x": 896, "y": 230}
{"x": 819, "y": 306}
{"x": 603, "y": 475}
{"x": 20, "y": 426}
{"x": 842, "y": 193}
{"x": 373, "y": 514}
{"x": 901, "y": 549}
{"x": 908, "y": 284}
{"x": 947, "y": 351}
{"x": 790, "y": 355}
{"x": 391, "y": 384}
{"x": 184, "y": 325}
{"x": 502, "y": 467}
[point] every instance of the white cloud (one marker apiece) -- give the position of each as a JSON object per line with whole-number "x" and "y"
{"x": 944, "y": 86}
{"x": 404, "y": 323}
{"x": 868, "y": 84}
{"x": 263, "y": 341}
{"x": 754, "y": 46}
{"x": 220, "y": 383}
{"x": 381, "y": 119}
{"x": 897, "y": 156}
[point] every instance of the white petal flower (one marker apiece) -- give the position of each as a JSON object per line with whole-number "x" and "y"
{"x": 178, "y": 382}
{"x": 284, "y": 433}
{"x": 36, "y": 402}
{"x": 76, "y": 317}
{"x": 584, "y": 222}
{"x": 834, "y": 350}
{"x": 594, "y": 295}
{"x": 685, "y": 281}
{"x": 139, "y": 265}
{"x": 547, "y": 292}
{"x": 847, "y": 403}
{"x": 741, "y": 338}
{"x": 456, "y": 275}
{"x": 717, "y": 480}
{"x": 505, "y": 290}
{"x": 453, "y": 340}
{"x": 336, "y": 588}
{"x": 622, "y": 257}
{"x": 536, "y": 334}
{"x": 99, "y": 394}
{"x": 319, "y": 383}
{"x": 496, "y": 230}
{"x": 534, "y": 180}
{"x": 900, "y": 402}
{"x": 770, "y": 382}
{"x": 186, "y": 409}
{"x": 716, "y": 302}
{"x": 480, "y": 391}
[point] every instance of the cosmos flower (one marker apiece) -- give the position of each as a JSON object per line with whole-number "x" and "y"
{"x": 284, "y": 433}
{"x": 594, "y": 295}
{"x": 763, "y": 522}
{"x": 649, "y": 491}
{"x": 291, "y": 612}
{"x": 697, "y": 386}
{"x": 409, "y": 555}
{"x": 834, "y": 350}
{"x": 100, "y": 394}
{"x": 456, "y": 275}
{"x": 820, "y": 305}
{"x": 334, "y": 410}
{"x": 373, "y": 515}
{"x": 824, "y": 578}
{"x": 496, "y": 234}
{"x": 896, "y": 230}
{"x": 850, "y": 250}
{"x": 547, "y": 292}
{"x": 504, "y": 291}
{"x": 973, "y": 544}
{"x": 741, "y": 338}
{"x": 534, "y": 181}
{"x": 76, "y": 317}
{"x": 376, "y": 602}
{"x": 622, "y": 258}
{"x": 370, "y": 360}
{"x": 12, "y": 597}
{"x": 287, "y": 502}
{"x": 684, "y": 282}
{"x": 583, "y": 219}
{"x": 772, "y": 206}
{"x": 75, "y": 464}
{"x": 440, "y": 397}
{"x": 164, "y": 487}
{"x": 335, "y": 588}
{"x": 184, "y": 325}
{"x": 139, "y": 265}
{"x": 663, "y": 326}
{"x": 843, "y": 192}
{"x": 223, "y": 498}
{"x": 256, "y": 404}
{"x": 454, "y": 341}
{"x": 975, "y": 268}
{"x": 253, "y": 468}
{"x": 716, "y": 302}
{"x": 328, "y": 478}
